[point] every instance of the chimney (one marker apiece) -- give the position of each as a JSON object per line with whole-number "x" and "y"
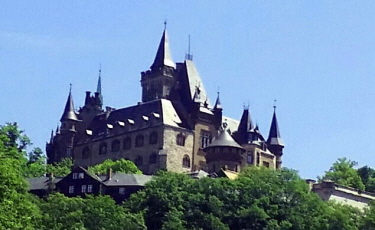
{"x": 87, "y": 99}
{"x": 109, "y": 174}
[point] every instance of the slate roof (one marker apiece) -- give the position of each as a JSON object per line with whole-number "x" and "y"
{"x": 194, "y": 81}
{"x": 120, "y": 179}
{"x": 163, "y": 55}
{"x": 274, "y": 137}
{"x": 41, "y": 183}
{"x": 224, "y": 139}
{"x": 69, "y": 113}
{"x": 143, "y": 115}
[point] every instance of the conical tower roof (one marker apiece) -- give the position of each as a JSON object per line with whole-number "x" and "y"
{"x": 274, "y": 137}
{"x": 99, "y": 87}
{"x": 163, "y": 55}
{"x": 246, "y": 122}
{"x": 218, "y": 102}
{"x": 224, "y": 139}
{"x": 69, "y": 113}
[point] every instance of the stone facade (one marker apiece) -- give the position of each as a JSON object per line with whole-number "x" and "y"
{"x": 169, "y": 129}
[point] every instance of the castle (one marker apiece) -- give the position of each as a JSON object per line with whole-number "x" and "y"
{"x": 174, "y": 127}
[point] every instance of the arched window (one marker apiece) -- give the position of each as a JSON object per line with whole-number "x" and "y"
{"x": 139, "y": 141}
{"x": 127, "y": 143}
{"x": 115, "y": 146}
{"x": 180, "y": 139}
{"x": 153, "y": 158}
{"x": 153, "y": 138}
{"x": 102, "y": 148}
{"x": 186, "y": 161}
{"x": 138, "y": 161}
{"x": 85, "y": 153}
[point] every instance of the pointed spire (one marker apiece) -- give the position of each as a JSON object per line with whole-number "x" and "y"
{"x": 188, "y": 55}
{"x": 51, "y": 138}
{"x": 274, "y": 137}
{"x": 57, "y": 130}
{"x": 99, "y": 87}
{"x": 69, "y": 113}
{"x": 218, "y": 103}
{"x": 163, "y": 56}
{"x": 246, "y": 122}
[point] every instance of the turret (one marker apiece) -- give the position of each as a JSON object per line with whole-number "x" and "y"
{"x": 246, "y": 124}
{"x": 224, "y": 152}
{"x": 69, "y": 117}
{"x": 218, "y": 112}
{"x": 159, "y": 80}
{"x": 274, "y": 141}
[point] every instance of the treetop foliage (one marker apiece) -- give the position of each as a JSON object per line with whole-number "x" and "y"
{"x": 259, "y": 198}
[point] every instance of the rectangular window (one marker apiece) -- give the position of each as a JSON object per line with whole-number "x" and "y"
{"x": 71, "y": 189}
{"x": 89, "y": 188}
{"x": 68, "y": 152}
{"x": 205, "y": 138}
{"x": 121, "y": 191}
{"x": 75, "y": 176}
{"x": 266, "y": 164}
{"x": 249, "y": 158}
{"x": 81, "y": 175}
{"x": 83, "y": 188}
{"x": 258, "y": 158}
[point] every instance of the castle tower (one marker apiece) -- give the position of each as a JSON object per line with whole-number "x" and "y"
{"x": 93, "y": 103}
{"x": 274, "y": 141}
{"x": 61, "y": 145}
{"x": 69, "y": 118}
{"x": 224, "y": 152}
{"x": 159, "y": 80}
{"x": 246, "y": 124}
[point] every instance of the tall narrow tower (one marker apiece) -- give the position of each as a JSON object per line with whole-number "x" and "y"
{"x": 274, "y": 141}
{"x": 159, "y": 80}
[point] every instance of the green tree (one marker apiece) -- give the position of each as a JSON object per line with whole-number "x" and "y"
{"x": 94, "y": 213}
{"x": 259, "y": 199}
{"x": 61, "y": 168}
{"x": 367, "y": 175}
{"x": 120, "y": 166}
{"x": 16, "y": 209}
{"x": 343, "y": 172}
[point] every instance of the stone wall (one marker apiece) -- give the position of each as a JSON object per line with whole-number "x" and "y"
{"x": 175, "y": 153}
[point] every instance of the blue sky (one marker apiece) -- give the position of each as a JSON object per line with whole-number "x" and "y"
{"x": 315, "y": 57}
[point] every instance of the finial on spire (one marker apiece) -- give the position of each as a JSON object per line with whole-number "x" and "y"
{"x": 70, "y": 87}
{"x": 189, "y": 56}
{"x": 165, "y": 24}
{"x": 274, "y": 105}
